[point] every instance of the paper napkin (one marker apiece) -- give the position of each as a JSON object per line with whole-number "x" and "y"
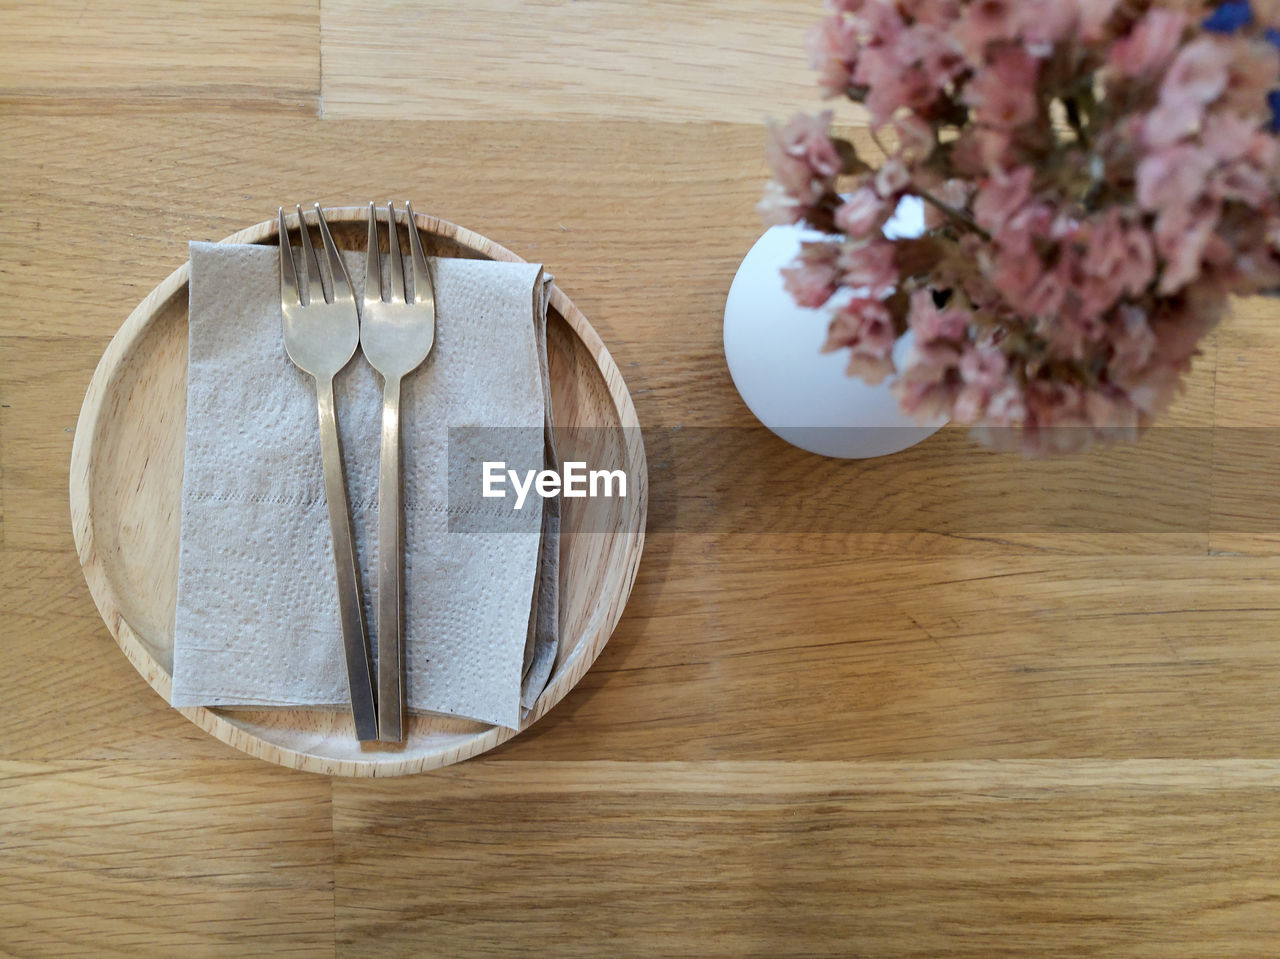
{"x": 257, "y": 619}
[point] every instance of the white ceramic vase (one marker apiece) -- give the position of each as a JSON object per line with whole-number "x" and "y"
{"x": 773, "y": 348}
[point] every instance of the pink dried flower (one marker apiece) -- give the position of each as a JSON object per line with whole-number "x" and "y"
{"x": 1133, "y": 344}
{"x": 1080, "y": 263}
{"x": 1229, "y": 136}
{"x": 869, "y": 368}
{"x": 1055, "y": 405}
{"x": 993, "y": 148}
{"x": 1017, "y": 266}
{"x": 1094, "y": 15}
{"x": 872, "y": 370}
{"x": 868, "y": 266}
{"x": 916, "y": 138}
{"x": 1173, "y": 178}
{"x": 982, "y": 373}
{"x": 1170, "y": 122}
{"x": 862, "y": 213}
{"x": 901, "y": 67}
{"x": 861, "y": 321}
{"x": 929, "y": 323}
{"x": 985, "y": 22}
{"x": 1253, "y": 72}
{"x": 879, "y": 71}
{"x": 927, "y": 385}
{"x": 1045, "y": 298}
{"x": 953, "y": 193}
{"x": 1006, "y": 408}
{"x": 892, "y": 178}
{"x": 881, "y": 22}
{"x": 1199, "y": 74}
{"x": 941, "y": 13}
{"x": 1179, "y": 326}
{"x": 813, "y": 279}
{"x": 778, "y": 207}
{"x": 833, "y": 46}
{"x": 804, "y": 160}
{"x": 894, "y": 85}
{"x": 1111, "y": 416}
{"x": 865, "y": 328}
{"x": 1016, "y": 271}
{"x": 1182, "y": 236}
{"x": 1150, "y": 47}
{"x": 1120, "y": 259}
{"x": 1002, "y": 196}
{"x": 932, "y": 52}
{"x": 1004, "y": 94}
{"x": 1241, "y": 181}
{"x": 1045, "y": 23}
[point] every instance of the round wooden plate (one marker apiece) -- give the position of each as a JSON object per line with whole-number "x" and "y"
{"x": 126, "y": 494}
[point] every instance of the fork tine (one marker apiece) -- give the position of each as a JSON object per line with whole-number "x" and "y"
{"x": 372, "y": 263}
{"x": 423, "y": 291}
{"x": 288, "y": 272}
{"x": 315, "y": 283}
{"x": 342, "y": 292}
{"x": 397, "y": 263}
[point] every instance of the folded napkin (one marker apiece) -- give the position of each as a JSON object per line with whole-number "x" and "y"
{"x": 257, "y": 618}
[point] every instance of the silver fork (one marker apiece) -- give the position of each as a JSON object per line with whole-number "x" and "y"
{"x": 320, "y": 335}
{"x": 397, "y": 330}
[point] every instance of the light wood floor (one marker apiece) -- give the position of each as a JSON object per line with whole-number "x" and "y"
{"x": 931, "y": 706}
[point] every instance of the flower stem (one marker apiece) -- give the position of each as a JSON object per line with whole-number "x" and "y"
{"x": 959, "y": 216}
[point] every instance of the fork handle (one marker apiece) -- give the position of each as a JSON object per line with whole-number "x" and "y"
{"x": 355, "y": 645}
{"x": 390, "y": 572}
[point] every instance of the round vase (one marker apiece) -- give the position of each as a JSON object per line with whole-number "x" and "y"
{"x": 773, "y": 349}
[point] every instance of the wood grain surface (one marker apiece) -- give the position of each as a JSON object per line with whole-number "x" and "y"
{"x": 899, "y": 708}
{"x": 591, "y": 59}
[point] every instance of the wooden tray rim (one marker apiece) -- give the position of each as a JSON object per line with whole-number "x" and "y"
{"x": 600, "y": 626}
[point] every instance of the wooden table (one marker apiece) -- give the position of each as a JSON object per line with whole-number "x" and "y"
{"x": 821, "y": 737}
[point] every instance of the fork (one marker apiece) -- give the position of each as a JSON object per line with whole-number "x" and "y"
{"x": 397, "y": 330}
{"x": 320, "y": 335}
